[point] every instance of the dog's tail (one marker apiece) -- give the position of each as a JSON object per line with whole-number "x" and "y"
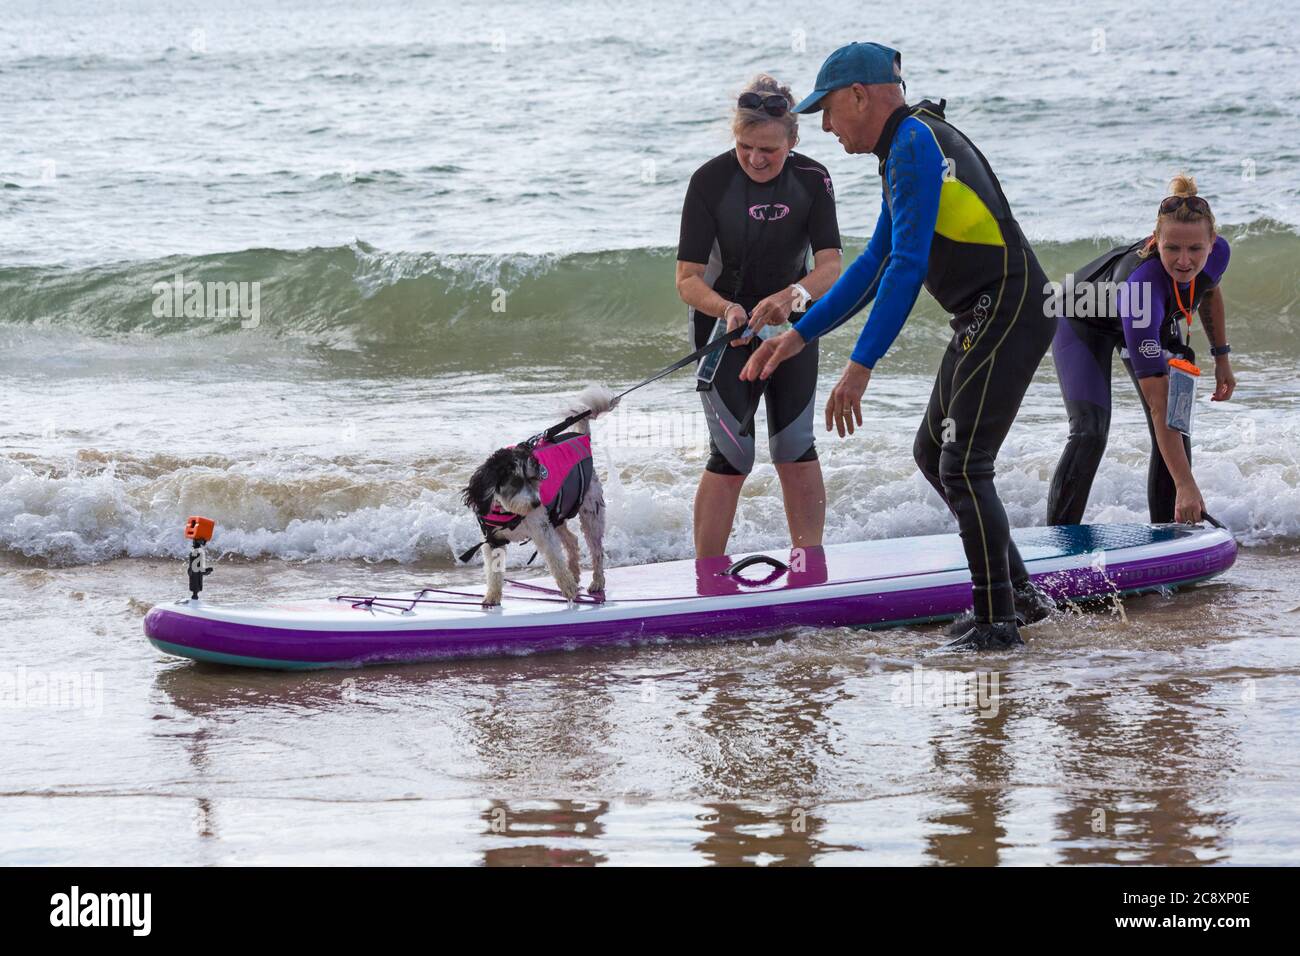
{"x": 597, "y": 399}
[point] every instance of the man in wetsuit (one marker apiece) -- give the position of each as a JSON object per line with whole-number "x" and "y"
{"x": 945, "y": 224}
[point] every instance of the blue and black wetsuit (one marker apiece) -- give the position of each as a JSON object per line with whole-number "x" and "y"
{"x": 756, "y": 239}
{"x": 1144, "y": 326}
{"x": 946, "y": 225}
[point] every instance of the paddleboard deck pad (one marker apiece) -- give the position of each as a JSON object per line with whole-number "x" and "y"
{"x": 864, "y": 584}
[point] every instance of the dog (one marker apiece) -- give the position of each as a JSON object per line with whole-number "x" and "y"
{"x": 530, "y": 491}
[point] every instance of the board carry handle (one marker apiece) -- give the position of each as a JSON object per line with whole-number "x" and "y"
{"x": 778, "y": 568}
{"x": 1212, "y": 520}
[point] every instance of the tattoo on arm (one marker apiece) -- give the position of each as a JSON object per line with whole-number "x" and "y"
{"x": 1210, "y": 310}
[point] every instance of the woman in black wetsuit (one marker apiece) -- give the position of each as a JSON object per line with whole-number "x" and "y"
{"x": 1165, "y": 278}
{"x": 753, "y": 218}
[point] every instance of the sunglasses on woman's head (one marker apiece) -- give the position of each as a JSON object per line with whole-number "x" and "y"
{"x": 774, "y": 104}
{"x": 1195, "y": 203}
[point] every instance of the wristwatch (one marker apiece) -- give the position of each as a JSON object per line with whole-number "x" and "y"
{"x": 1217, "y": 350}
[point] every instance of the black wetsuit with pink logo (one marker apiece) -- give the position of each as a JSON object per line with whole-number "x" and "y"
{"x": 755, "y": 239}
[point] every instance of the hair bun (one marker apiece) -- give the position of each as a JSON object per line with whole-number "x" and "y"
{"x": 1181, "y": 186}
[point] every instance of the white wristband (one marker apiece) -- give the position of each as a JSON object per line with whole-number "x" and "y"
{"x": 802, "y": 304}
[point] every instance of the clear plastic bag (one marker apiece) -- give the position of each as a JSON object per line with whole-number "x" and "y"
{"x": 708, "y": 367}
{"x": 1183, "y": 376}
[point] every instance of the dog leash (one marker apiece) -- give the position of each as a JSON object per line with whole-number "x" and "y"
{"x": 695, "y": 356}
{"x": 551, "y": 433}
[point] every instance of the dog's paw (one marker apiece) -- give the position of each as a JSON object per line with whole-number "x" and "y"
{"x": 489, "y": 605}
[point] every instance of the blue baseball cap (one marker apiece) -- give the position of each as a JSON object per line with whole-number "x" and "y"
{"x": 856, "y": 63}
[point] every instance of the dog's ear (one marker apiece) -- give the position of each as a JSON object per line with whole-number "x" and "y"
{"x": 483, "y": 484}
{"x": 478, "y": 493}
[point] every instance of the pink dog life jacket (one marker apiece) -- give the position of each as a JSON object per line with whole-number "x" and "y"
{"x": 566, "y": 474}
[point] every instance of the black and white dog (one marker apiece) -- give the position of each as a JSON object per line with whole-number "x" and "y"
{"x": 529, "y": 491}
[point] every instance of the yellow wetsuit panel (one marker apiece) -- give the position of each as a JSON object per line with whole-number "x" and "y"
{"x": 963, "y": 217}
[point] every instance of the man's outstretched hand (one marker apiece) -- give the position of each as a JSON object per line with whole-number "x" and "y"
{"x": 844, "y": 406}
{"x": 770, "y": 354}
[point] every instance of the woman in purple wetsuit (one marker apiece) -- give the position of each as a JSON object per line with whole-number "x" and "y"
{"x": 1160, "y": 283}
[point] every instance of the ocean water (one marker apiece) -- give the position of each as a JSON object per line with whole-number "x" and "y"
{"x": 453, "y": 219}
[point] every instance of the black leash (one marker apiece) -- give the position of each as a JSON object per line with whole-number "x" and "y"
{"x": 551, "y": 433}
{"x": 695, "y": 356}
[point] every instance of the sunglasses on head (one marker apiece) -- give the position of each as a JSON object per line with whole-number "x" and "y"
{"x": 1195, "y": 203}
{"x": 773, "y": 104}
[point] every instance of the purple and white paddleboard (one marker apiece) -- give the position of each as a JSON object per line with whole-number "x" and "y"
{"x": 864, "y": 584}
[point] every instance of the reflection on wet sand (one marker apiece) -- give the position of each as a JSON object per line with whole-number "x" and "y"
{"x": 767, "y": 753}
{"x": 743, "y": 835}
{"x": 547, "y": 833}
{"x": 1158, "y": 776}
{"x": 974, "y": 834}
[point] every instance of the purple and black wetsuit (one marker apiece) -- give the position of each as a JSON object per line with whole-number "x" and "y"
{"x": 1145, "y": 327}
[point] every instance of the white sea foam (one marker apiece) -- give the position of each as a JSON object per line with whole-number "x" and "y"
{"x": 298, "y": 508}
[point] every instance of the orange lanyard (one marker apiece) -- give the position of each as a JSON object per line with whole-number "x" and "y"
{"x": 1187, "y": 313}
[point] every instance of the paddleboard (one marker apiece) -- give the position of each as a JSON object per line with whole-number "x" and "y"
{"x": 863, "y": 584}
